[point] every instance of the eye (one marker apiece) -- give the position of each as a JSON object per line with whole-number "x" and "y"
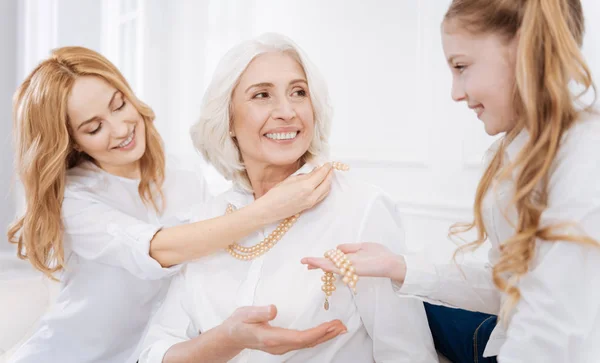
{"x": 261, "y": 95}
{"x": 299, "y": 92}
{"x": 94, "y": 132}
{"x": 122, "y": 105}
{"x": 459, "y": 67}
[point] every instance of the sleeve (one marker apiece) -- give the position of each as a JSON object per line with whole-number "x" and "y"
{"x": 171, "y": 324}
{"x": 398, "y": 325}
{"x": 96, "y": 231}
{"x": 467, "y": 286}
{"x": 556, "y": 318}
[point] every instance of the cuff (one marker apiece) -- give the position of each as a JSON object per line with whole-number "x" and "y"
{"x": 421, "y": 277}
{"x": 156, "y": 352}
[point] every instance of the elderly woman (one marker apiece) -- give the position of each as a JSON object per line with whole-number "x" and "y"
{"x": 265, "y": 117}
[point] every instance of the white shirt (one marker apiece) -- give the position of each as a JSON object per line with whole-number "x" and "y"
{"x": 558, "y": 316}
{"x": 111, "y": 285}
{"x": 382, "y": 326}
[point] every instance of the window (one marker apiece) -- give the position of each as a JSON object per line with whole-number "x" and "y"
{"x": 122, "y": 39}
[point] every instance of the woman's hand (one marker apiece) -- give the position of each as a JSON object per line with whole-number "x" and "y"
{"x": 368, "y": 259}
{"x": 295, "y": 194}
{"x": 248, "y": 328}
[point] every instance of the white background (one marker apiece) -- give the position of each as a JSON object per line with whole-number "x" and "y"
{"x": 395, "y": 123}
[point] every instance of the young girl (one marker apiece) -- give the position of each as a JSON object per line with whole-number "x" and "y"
{"x": 106, "y": 212}
{"x": 516, "y": 64}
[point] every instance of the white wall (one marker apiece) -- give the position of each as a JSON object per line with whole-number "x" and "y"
{"x": 8, "y": 83}
{"x": 395, "y": 123}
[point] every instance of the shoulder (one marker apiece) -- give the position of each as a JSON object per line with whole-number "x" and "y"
{"x": 85, "y": 180}
{"x": 212, "y": 208}
{"x": 183, "y": 169}
{"x": 575, "y": 175}
{"x": 359, "y": 194}
{"x": 582, "y": 138}
{"x": 580, "y": 148}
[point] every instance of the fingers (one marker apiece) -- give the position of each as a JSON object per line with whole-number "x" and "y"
{"x": 258, "y": 314}
{"x": 317, "y": 176}
{"x": 319, "y": 262}
{"x": 350, "y": 247}
{"x": 332, "y": 334}
{"x": 322, "y": 333}
{"x": 294, "y": 339}
{"x": 324, "y": 188}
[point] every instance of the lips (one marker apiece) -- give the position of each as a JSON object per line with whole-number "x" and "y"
{"x": 127, "y": 141}
{"x": 282, "y": 135}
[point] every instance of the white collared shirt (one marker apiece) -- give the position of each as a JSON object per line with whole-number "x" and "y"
{"x": 111, "y": 286}
{"x": 558, "y": 316}
{"x": 382, "y": 326}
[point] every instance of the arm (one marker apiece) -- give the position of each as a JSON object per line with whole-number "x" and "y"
{"x": 397, "y": 325}
{"x": 173, "y": 338}
{"x": 174, "y": 245}
{"x": 556, "y": 319}
{"x": 467, "y": 286}
{"x": 99, "y": 232}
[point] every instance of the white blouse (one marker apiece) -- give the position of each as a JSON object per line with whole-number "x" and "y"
{"x": 111, "y": 286}
{"x": 558, "y": 316}
{"x": 382, "y": 326}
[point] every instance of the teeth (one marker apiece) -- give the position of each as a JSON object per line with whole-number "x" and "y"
{"x": 128, "y": 141}
{"x": 282, "y": 136}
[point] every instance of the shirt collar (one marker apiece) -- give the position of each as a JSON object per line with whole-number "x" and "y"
{"x": 240, "y": 197}
{"x": 516, "y": 145}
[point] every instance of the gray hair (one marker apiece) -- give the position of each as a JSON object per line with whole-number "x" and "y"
{"x": 210, "y": 134}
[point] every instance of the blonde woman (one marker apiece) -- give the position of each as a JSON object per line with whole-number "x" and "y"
{"x": 515, "y": 63}
{"x": 270, "y": 104}
{"x": 107, "y": 216}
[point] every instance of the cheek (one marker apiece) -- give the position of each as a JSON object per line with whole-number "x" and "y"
{"x": 249, "y": 122}
{"x": 307, "y": 116}
{"x": 94, "y": 144}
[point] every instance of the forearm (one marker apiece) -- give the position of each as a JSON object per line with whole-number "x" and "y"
{"x": 468, "y": 286}
{"x": 178, "y": 244}
{"x": 214, "y": 346}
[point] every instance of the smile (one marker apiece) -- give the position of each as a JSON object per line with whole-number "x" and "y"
{"x": 282, "y": 135}
{"x": 128, "y": 141}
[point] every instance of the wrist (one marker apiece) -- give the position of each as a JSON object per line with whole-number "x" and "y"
{"x": 228, "y": 337}
{"x": 396, "y": 269}
{"x": 258, "y": 214}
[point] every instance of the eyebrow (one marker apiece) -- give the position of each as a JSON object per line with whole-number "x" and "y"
{"x": 269, "y": 84}
{"x": 96, "y": 117}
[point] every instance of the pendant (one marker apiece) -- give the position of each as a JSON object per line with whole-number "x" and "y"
{"x": 326, "y": 305}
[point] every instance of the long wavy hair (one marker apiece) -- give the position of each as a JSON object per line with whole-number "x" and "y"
{"x": 548, "y": 60}
{"x": 45, "y": 150}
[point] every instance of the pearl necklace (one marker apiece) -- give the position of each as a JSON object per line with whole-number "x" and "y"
{"x": 249, "y": 253}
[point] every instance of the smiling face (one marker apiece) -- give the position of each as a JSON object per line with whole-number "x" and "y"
{"x": 105, "y": 125}
{"x": 273, "y": 117}
{"x": 483, "y": 74}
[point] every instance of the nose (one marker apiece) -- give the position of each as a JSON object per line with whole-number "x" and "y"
{"x": 284, "y": 110}
{"x": 458, "y": 91}
{"x": 120, "y": 129}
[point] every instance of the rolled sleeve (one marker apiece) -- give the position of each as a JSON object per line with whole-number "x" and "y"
{"x": 97, "y": 232}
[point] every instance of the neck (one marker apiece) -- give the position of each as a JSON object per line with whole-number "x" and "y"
{"x": 129, "y": 171}
{"x": 264, "y": 177}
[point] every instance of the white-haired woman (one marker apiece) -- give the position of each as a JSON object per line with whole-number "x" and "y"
{"x": 265, "y": 117}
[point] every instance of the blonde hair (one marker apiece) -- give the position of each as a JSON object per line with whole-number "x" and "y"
{"x": 45, "y": 150}
{"x": 210, "y": 134}
{"x": 548, "y": 59}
